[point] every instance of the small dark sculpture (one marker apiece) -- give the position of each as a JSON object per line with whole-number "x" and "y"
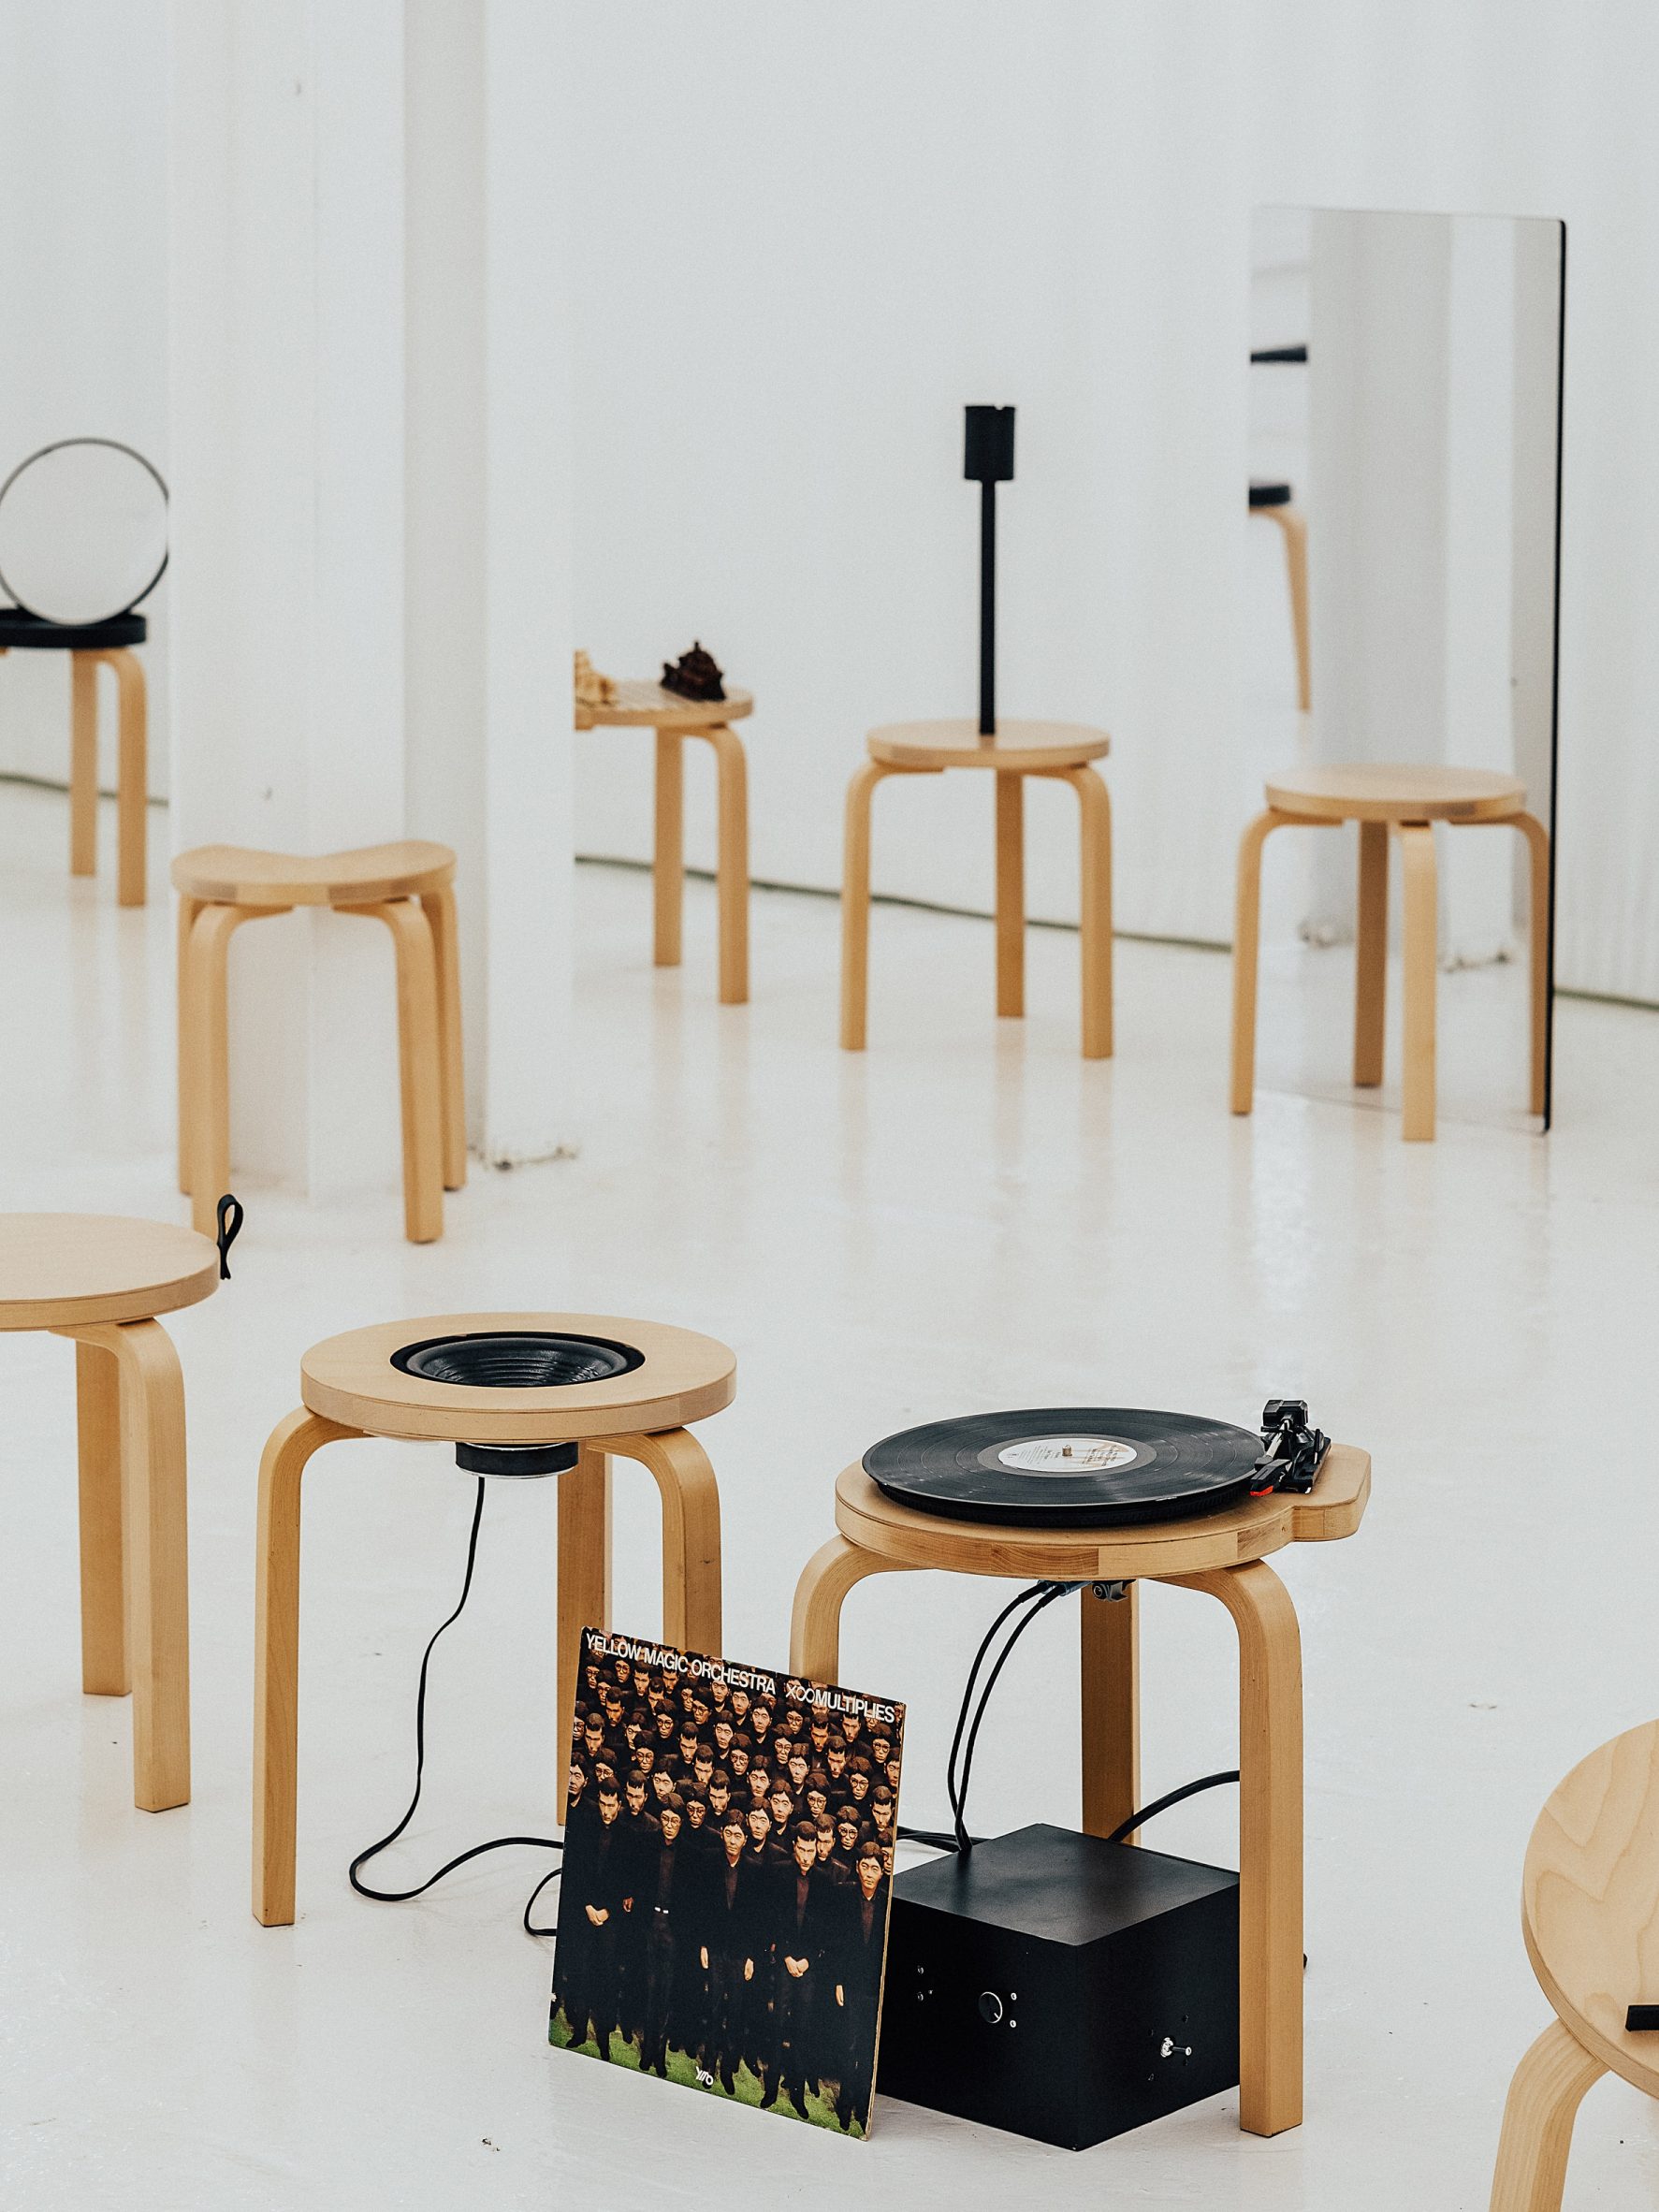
{"x": 693, "y": 676}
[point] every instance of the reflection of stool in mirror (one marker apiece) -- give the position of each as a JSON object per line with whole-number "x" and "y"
{"x": 1404, "y": 801}
{"x": 408, "y": 886}
{"x": 1019, "y": 748}
{"x": 638, "y": 1411}
{"x": 1221, "y": 1554}
{"x": 102, "y": 1280}
{"x": 88, "y": 644}
{"x": 1273, "y": 501}
{"x": 1589, "y": 1902}
{"x": 675, "y": 718}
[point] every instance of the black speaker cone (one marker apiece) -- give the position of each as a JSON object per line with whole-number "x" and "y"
{"x": 517, "y": 1360}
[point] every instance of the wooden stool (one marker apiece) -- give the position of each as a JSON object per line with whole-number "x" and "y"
{"x": 1275, "y": 501}
{"x": 1404, "y": 801}
{"x": 675, "y": 718}
{"x": 350, "y": 1387}
{"x": 1060, "y": 750}
{"x": 1589, "y": 1909}
{"x": 1222, "y": 1555}
{"x": 102, "y": 1280}
{"x": 88, "y": 644}
{"x": 408, "y": 886}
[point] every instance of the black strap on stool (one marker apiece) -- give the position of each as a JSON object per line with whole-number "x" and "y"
{"x": 230, "y": 1228}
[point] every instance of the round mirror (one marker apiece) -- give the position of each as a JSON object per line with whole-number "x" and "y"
{"x": 83, "y": 531}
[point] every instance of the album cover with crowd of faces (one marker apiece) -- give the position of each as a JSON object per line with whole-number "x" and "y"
{"x": 728, "y": 1866}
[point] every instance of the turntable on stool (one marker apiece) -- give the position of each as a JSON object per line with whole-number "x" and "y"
{"x": 1216, "y": 1544}
{"x": 1094, "y": 1466}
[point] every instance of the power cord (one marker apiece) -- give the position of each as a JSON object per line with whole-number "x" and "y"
{"x": 1035, "y": 1599}
{"x": 399, "y": 1896}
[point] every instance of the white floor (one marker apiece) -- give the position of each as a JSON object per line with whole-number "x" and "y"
{"x": 967, "y": 1216}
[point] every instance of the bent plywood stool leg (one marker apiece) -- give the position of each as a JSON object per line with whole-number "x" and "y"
{"x": 1422, "y": 920}
{"x": 188, "y": 909}
{"x": 151, "y": 1481}
{"x": 105, "y": 1669}
{"x": 732, "y": 868}
{"x": 1269, "y": 1842}
{"x": 1542, "y": 2102}
{"x": 815, "y": 1624}
{"x": 439, "y": 909}
{"x": 1095, "y": 805}
{"x": 204, "y": 1013}
{"x": 1110, "y": 1688}
{"x": 855, "y": 903}
{"x": 1538, "y": 841}
{"x": 83, "y": 764}
{"x": 691, "y": 1550}
{"x": 421, "y": 1079}
{"x": 583, "y": 1579}
{"x": 1294, "y": 525}
{"x": 1010, "y": 891}
{"x": 276, "y": 1658}
{"x": 668, "y": 867}
{"x": 1370, "y": 954}
{"x": 132, "y": 779}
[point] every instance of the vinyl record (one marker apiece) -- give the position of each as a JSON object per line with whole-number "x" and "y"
{"x": 1067, "y": 1466}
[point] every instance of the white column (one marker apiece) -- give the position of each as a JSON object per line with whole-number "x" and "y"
{"x": 365, "y": 403}
{"x": 489, "y": 636}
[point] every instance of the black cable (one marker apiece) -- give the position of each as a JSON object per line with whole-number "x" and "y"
{"x": 399, "y": 1896}
{"x": 1021, "y": 1597}
{"x": 1048, "y": 1593}
{"x": 1035, "y": 1597}
{"x": 1188, "y": 1789}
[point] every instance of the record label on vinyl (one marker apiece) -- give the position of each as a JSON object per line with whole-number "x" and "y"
{"x": 1071, "y": 1466}
{"x": 1068, "y": 1455}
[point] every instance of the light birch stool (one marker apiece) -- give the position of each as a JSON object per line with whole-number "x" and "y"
{"x": 1590, "y": 1914}
{"x": 1402, "y": 802}
{"x": 1063, "y": 750}
{"x": 351, "y": 1389}
{"x": 102, "y": 1280}
{"x": 649, "y": 706}
{"x": 410, "y": 887}
{"x": 1222, "y": 1555}
{"x": 92, "y": 646}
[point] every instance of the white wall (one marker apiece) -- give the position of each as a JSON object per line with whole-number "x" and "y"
{"x": 83, "y": 328}
{"x": 805, "y": 238}
{"x": 805, "y": 242}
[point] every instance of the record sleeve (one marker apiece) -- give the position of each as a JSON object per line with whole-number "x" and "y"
{"x": 728, "y": 1869}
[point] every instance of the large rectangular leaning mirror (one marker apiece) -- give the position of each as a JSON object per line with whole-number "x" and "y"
{"x": 1401, "y": 607}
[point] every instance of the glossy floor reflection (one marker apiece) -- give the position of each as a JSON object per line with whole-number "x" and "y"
{"x": 965, "y": 1216}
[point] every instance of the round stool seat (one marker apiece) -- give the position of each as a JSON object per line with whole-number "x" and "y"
{"x": 236, "y": 876}
{"x": 60, "y": 1269}
{"x": 1368, "y": 790}
{"x": 678, "y": 1377}
{"x": 1590, "y": 1901}
{"x": 639, "y": 702}
{"x": 1030, "y": 747}
{"x": 30, "y": 634}
{"x": 1263, "y": 494}
{"x": 874, "y": 1522}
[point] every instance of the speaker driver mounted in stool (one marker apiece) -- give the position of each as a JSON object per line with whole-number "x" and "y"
{"x": 510, "y": 1360}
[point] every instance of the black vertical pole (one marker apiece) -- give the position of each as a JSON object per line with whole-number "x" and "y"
{"x": 988, "y": 607}
{"x": 987, "y": 459}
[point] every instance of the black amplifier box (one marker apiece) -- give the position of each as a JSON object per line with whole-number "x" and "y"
{"x": 1060, "y": 1986}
